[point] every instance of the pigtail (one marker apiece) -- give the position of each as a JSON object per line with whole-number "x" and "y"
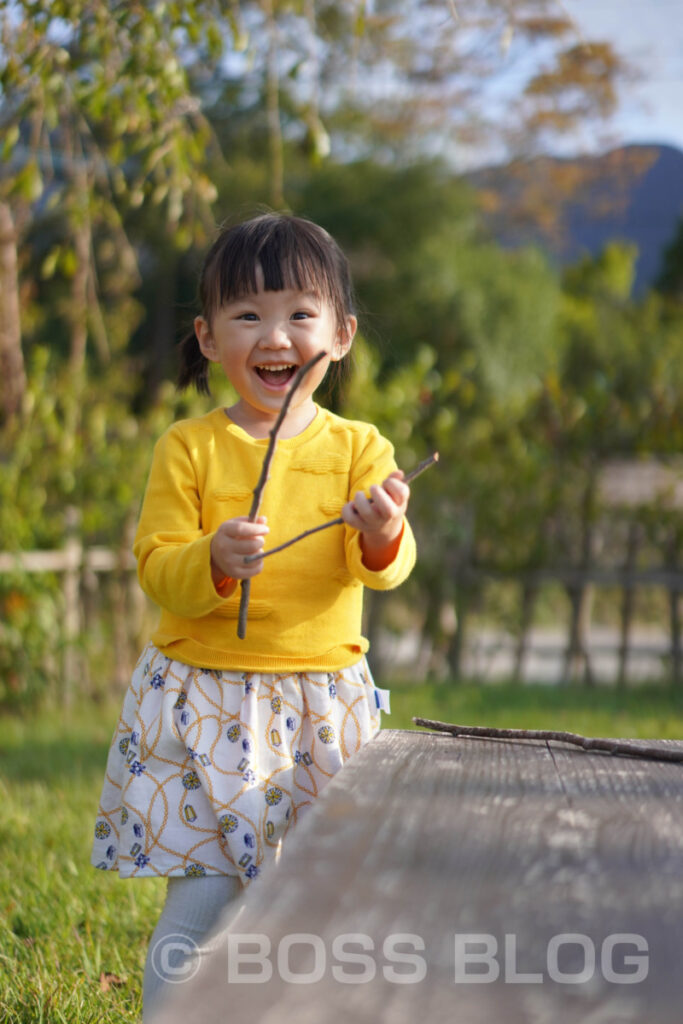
{"x": 194, "y": 366}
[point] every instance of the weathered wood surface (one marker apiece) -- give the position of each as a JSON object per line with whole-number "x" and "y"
{"x": 443, "y": 837}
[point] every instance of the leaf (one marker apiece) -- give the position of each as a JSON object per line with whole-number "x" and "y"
{"x": 29, "y": 182}
{"x": 108, "y": 981}
{"x": 68, "y": 262}
{"x": 50, "y": 264}
{"x": 10, "y": 141}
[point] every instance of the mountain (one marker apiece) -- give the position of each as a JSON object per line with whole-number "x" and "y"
{"x": 575, "y": 206}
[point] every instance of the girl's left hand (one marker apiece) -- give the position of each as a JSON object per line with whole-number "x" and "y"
{"x": 379, "y": 517}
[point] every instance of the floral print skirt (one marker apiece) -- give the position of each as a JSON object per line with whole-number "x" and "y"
{"x": 208, "y": 770}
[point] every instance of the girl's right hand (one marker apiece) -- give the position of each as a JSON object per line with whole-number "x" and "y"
{"x": 234, "y": 539}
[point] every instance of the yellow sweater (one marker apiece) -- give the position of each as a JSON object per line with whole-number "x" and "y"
{"x": 305, "y": 607}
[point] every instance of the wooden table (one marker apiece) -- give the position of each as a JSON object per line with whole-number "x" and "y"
{"x": 559, "y": 871}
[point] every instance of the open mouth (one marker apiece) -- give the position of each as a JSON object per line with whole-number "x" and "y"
{"x": 276, "y": 374}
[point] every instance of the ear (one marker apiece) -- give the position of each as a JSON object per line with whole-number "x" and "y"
{"x": 207, "y": 345}
{"x": 344, "y": 339}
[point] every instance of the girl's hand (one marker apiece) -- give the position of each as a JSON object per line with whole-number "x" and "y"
{"x": 234, "y": 539}
{"x": 380, "y": 519}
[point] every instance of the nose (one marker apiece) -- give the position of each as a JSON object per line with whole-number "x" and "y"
{"x": 274, "y": 336}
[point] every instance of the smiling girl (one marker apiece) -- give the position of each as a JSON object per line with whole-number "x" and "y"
{"x": 223, "y": 743}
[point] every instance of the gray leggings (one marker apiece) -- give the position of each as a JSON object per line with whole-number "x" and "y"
{"x": 191, "y": 912}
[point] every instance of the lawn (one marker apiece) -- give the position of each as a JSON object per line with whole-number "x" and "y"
{"x": 646, "y": 711}
{"x": 63, "y": 925}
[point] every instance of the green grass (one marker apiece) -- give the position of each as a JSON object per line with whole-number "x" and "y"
{"x": 62, "y": 923}
{"x": 645, "y": 711}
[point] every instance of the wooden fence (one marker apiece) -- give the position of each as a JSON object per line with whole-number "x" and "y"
{"x": 80, "y": 567}
{"x": 580, "y": 585}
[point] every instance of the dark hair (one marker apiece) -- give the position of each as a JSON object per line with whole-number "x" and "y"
{"x": 293, "y": 253}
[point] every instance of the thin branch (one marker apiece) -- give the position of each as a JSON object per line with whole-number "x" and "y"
{"x": 425, "y": 464}
{"x": 454, "y": 11}
{"x": 618, "y": 747}
{"x": 263, "y": 478}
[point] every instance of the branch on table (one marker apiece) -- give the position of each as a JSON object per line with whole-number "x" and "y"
{"x": 607, "y": 746}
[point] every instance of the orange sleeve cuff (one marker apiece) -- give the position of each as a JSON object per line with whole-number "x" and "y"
{"x": 227, "y": 583}
{"x": 375, "y": 561}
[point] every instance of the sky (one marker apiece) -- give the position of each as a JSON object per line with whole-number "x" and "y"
{"x": 650, "y": 34}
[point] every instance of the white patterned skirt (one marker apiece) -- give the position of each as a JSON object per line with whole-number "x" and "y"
{"x": 208, "y": 770}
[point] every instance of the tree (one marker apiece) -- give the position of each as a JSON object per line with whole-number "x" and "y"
{"x": 399, "y": 81}
{"x": 96, "y": 116}
{"x": 428, "y": 274}
{"x": 101, "y": 109}
{"x": 12, "y": 373}
{"x": 670, "y": 280}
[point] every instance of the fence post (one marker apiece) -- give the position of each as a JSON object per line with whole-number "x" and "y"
{"x": 529, "y": 595}
{"x": 627, "y": 601}
{"x": 580, "y": 593}
{"x": 674, "y": 611}
{"x": 465, "y": 579}
{"x": 73, "y": 550}
{"x": 127, "y": 608}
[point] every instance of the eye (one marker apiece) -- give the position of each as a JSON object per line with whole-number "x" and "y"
{"x": 302, "y": 314}
{"x": 249, "y": 317}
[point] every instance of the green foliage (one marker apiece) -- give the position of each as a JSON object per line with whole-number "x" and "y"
{"x": 30, "y": 638}
{"x": 618, "y": 385}
{"x": 523, "y": 418}
{"x": 428, "y": 276}
{"x": 670, "y": 281}
{"x": 74, "y": 448}
{"x": 105, "y": 85}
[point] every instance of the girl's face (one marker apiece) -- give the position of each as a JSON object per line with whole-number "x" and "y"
{"x": 261, "y": 340}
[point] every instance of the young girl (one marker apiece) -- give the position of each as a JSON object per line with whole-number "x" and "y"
{"x": 223, "y": 743}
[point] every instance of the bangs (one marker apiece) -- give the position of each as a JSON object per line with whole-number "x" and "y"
{"x": 293, "y": 253}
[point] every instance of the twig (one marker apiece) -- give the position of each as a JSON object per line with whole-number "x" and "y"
{"x": 263, "y": 478}
{"x": 425, "y": 464}
{"x": 454, "y": 10}
{"x": 588, "y": 743}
